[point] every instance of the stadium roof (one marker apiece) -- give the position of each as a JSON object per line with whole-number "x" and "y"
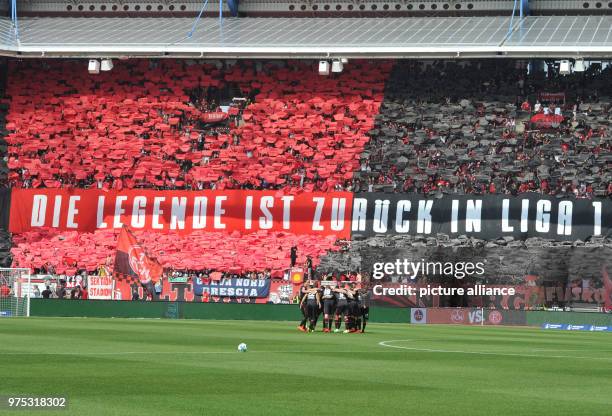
{"x": 537, "y": 36}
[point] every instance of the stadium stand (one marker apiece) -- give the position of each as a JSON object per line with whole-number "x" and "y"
{"x": 5, "y": 238}
{"x": 472, "y": 134}
{"x": 68, "y": 252}
{"x": 145, "y": 130}
{"x": 297, "y": 130}
{"x": 149, "y": 126}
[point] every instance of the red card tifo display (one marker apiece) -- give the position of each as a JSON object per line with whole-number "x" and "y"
{"x": 68, "y": 251}
{"x": 299, "y": 130}
{"x": 181, "y": 211}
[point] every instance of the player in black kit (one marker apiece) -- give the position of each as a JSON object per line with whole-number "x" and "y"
{"x": 364, "y": 309}
{"x": 353, "y": 309}
{"x": 329, "y": 303}
{"x": 312, "y": 300}
{"x": 301, "y": 294}
{"x": 341, "y": 308}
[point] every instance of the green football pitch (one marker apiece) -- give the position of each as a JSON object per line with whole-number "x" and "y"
{"x": 167, "y": 367}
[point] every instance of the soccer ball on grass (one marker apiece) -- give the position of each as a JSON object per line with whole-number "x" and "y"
{"x": 242, "y": 347}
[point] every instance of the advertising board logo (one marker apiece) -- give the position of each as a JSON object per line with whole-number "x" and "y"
{"x": 475, "y": 317}
{"x": 418, "y": 315}
{"x": 495, "y": 317}
{"x": 457, "y": 316}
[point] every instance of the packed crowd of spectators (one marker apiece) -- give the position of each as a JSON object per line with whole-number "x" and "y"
{"x": 467, "y": 128}
{"x": 69, "y": 252}
{"x": 148, "y": 124}
{"x": 436, "y": 132}
{"x": 431, "y": 128}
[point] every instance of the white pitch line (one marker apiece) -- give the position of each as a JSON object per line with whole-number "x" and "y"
{"x": 507, "y": 354}
{"x": 184, "y": 352}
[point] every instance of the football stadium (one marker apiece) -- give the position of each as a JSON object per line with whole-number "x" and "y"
{"x": 279, "y": 207}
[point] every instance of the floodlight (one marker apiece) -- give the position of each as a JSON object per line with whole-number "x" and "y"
{"x": 323, "y": 68}
{"x": 94, "y": 66}
{"x": 107, "y": 64}
{"x": 337, "y": 66}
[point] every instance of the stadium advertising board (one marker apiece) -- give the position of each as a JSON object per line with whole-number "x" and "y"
{"x": 338, "y": 213}
{"x": 472, "y": 316}
{"x": 571, "y": 327}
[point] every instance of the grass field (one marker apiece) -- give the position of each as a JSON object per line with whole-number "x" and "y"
{"x": 164, "y": 367}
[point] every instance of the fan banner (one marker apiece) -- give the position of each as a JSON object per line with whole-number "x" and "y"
{"x": 278, "y": 291}
{"x": 88, "y": 210}
{"x": 232, "y": 287}
{"x": 487, "y": 217}
{"x": 100, "y": 287}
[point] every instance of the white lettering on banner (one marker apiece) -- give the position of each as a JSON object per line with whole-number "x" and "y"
{"x": 506, "y": 227}
{"x": 597, "y": 218}
{"x": 157, "y": 212}
{"x": 199, "y": 212}
{"x": 265, "y": 221}
{"x": 473, "y": 216}
{"x": 525, "y": 215}
{"x": 287, "y": 199}
{"x": 230, "y": 291}
{"x": 303, "y": 213}
{"x": 219, "y": 211}
{"x": 118, "y": 211}
{"x": 401, "y": 225}
{"x": 542, "y": 224}
{"x": 337, "y": 214}
{"x": 57, "y": 210}
{"x": 39, "y": 210}
{"x": 360, "y": 209}
{"x": 177, "y": 214}
{"x": 138, "y": 212}
{"x": 100, "y": 213}
{"x": 564, "y": 224}
{"x": 455, "y": 216}
{"x": 72, "y": 211}
{"x": 248, "y": 213}
{"x": 316, "y": 222}
{"x": 424, "y": 217}
{"x": 381, "y": 215}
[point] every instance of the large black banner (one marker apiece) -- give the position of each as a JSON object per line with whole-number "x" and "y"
{"x": 486, "y": 217}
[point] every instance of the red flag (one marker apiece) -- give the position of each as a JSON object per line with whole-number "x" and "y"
{"x": 132, "y": 260}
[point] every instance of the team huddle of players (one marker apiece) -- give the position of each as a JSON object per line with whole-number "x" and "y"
{"x": 337, "y": 303}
